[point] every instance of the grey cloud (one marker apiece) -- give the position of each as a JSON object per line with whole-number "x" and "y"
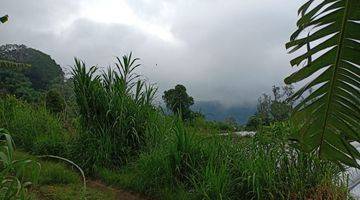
{"x": 230, "y": 51}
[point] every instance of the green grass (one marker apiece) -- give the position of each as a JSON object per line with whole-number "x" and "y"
{"x": 33, "y": 128}
{"x": 59, "y": 181}
{"x": 55, "y": 173}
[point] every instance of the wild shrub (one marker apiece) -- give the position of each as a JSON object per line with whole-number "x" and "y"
{"x": 114, "y": 109}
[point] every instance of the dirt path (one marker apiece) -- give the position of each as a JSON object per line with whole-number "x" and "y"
{"x": 120, "y": 194}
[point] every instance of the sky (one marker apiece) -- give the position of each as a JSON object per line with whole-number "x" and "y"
{"x": 230, "y": 51}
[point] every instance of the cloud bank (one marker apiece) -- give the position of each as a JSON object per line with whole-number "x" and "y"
{"x": 228, "y": 51}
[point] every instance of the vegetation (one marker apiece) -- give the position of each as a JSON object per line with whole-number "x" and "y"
{"x": 114, "y": 109}
{"x": 12, "y": 182}
{"x": 161, "y": 156}
{"x": 54, "y": 101}
{"x": 328, "y": 118}
{"x": 26, "y": 177}
{"x": 43, "y": 70}
{"x": 275, "y": 108}
{"x": 33, "y": 128}
{"x": 108, "y": 125}
{"x": 179, "y": 102}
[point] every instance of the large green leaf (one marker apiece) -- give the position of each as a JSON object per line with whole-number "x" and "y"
{"x": 329, "y": 118}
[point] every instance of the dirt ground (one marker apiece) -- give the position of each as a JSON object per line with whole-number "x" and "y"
{"x": 120, "y": 194}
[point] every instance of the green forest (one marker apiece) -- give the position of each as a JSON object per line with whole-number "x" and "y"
{"x": 99, "y": 134}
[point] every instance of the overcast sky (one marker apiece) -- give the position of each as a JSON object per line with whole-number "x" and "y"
{"x": 225, "y": 50}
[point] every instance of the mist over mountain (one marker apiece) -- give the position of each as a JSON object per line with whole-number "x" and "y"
{"x": 214, "y": 110}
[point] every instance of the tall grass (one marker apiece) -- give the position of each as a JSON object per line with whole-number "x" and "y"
{"x": 33, "y": 128}
{"x": 269, "y": 167}
{"x": 184, "y": 161}
{"x": 114, "y": 109}
{"x": 217, "y": 167}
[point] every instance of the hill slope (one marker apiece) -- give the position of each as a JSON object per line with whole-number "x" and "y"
{"x": 43, "y": 71}
{"x": 214, "y": 110}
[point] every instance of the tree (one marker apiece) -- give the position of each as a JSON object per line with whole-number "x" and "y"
{"x": 281, "y": 106}
{"x": 178, "y": 101}
{"x": 273, "y": 108}
{"x": 328, "y": 119}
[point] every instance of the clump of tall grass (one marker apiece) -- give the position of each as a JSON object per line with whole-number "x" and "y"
{"x": 184, "y": 161}
{"x": 114, "y": 110}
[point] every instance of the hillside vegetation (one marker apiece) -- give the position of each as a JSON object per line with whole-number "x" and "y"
{"x": 42, "y": 70}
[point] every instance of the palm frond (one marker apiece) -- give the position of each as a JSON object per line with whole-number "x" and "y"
{"x": 328, "y": 118}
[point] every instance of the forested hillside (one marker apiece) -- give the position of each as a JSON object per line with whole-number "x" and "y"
{"x": 42, "y": 70}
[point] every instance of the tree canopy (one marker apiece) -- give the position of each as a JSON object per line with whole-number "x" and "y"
{"x": 178, "y": 101}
